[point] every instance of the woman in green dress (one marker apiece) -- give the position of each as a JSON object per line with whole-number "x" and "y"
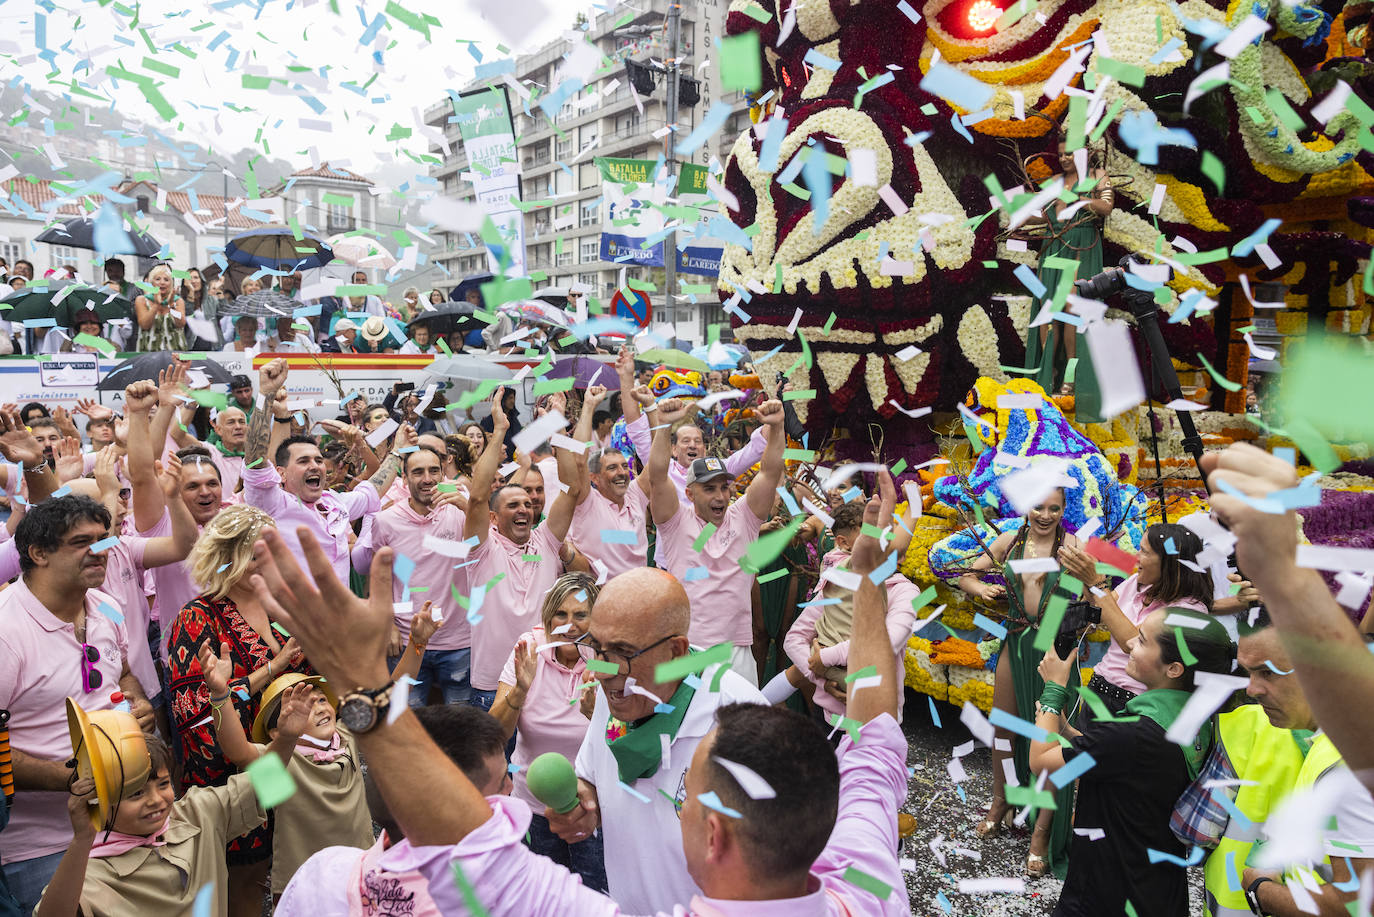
{"x": 1072, "y": 246}
{"x": 161, "y": 315}
{"x": 1017, "y": 684}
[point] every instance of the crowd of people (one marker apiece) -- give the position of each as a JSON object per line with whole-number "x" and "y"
{"x": 198, "y": 311}
{"x": 330, "y": 664}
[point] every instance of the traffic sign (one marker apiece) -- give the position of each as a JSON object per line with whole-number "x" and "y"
{"x": 632, "y": 305}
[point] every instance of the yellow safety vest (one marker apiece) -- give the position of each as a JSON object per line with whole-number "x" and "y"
{"x": 1320, "y": 758}
{"x": 1269, "y": 756}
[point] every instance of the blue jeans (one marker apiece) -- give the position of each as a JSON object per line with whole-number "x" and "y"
{"x": 586, "y": 858}
{"x": 483, "y": 700}
{"x": 448, "y": 671}
{"x": 28, "y": 878}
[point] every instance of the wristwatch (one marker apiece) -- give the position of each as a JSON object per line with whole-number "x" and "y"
{"x": 1252, "y": 896}
{"x": 362, "y": 709}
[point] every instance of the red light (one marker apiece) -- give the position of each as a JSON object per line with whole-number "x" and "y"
{"x": 983, "y": 15}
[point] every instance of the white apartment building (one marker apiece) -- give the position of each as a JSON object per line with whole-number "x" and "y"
{"x": 559, "y": 165}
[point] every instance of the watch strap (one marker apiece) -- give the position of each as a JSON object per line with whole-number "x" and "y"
{"x": 1252, "y": 896}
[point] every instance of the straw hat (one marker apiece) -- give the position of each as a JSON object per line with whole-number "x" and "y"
{"x": 109, "y": 748}
{"x": 374, "y": 329}
{"x": 271, "y": 700}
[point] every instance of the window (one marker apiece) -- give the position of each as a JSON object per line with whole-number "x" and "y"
{"x": 591, "y": 250}
{"x": 11, "y": 250}
{"x": 565, "y": 148}
{"x": 591, "y": 213}
{"x": 588, "y": 281}
{"x": 628, "y": 125}
{"x": 564, "y": 257}
{"x": 340, "y": 218}
{"x": 62, "y": 255}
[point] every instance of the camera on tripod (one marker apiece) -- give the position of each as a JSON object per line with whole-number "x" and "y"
{"x": 1113, "y": 281}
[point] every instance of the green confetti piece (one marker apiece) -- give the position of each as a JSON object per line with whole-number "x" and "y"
{"x": 157, "y": 66}
{"x": 1278, "y": 103}
{"x": 706, "y": 532}
{"x": 777, "y": 280}
{"x": 1100, "y": 711}
{"x": 798, "y": 455}
{"x": 271, "y": 781}
{"x": 720, "y": 673}
{"x": 899, "y": 467}
{"x": 741, "y": 62}
{"x": 1013, "y": 14}
{"x": 1317, "y": 375}
{"x": 1212, "y": 168}
{"x": 925, "y": 598}
{"x": 99, "y": 343}
{"x": 532, "y": 558}
{"x": 1130, "y": 74}
{"x": 757, "y": 13}
{"x": 766, "y": 548}
{"x": 1067, "y": 588}
{"x": 829, "y": 323}
{"x": 929, "y": 109}
{"x": 805, "y": 394}
{"x": 1021, "y": 796}
{"x": 865, "y": 672}
{"x": 469, "y": 893}
{"x": 1218, "y": 377}
{"x": 1313, "y": 445}
{"x": 549, "y": 386}
{"x": 217, "y": 400}
{"x": 871, "y": 884}
{"x": 339, "y": 200}
{"x": 418, "y": 22}
{"x": 1130, "y": 909}
{"x": 776, "y": 574}
{"x": 602, "y": 666}
{"x": 1107, "y": 120}
{"x": 1183, "y": 652}
{"x": 675, "y": 669}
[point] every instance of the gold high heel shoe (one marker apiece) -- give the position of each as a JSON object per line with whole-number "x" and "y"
{"x": 991, "y": 827}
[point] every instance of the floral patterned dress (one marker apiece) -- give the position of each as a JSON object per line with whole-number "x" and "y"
{"x": 218, "y": 621}
{"x": 164, "y": 335}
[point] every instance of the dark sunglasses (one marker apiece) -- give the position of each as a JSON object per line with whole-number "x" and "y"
{"x": 91, "y": 679}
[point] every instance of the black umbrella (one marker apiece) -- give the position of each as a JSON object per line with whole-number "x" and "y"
{"x": 262, "y": 304}
{"x": 79, "y": 232}
{"x": 446, "y": 317}
{"x": 460, "y": 292}
{"x": 148, "y": 365}
{"x": 37, "y": 302}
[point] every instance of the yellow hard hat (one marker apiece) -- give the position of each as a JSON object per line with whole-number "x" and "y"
{"x": 109, "y": 748}
{"x": 271, "y": 700}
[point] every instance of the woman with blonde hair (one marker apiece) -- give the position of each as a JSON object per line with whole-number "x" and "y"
{"x": 535, "y": 693}
{"x": 227, "y": 612}
{"x": 161, "y": 315}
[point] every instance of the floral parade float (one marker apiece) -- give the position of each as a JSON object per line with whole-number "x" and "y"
{"x": 880, "y": 275}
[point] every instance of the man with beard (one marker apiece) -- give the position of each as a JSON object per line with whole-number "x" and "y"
{"x": 292, "y": 489}
{"x": 48, "y": 434}
{"x": 412, "y": 527}
{"x": 721, "y": 605}
{"x": 614, "y": 503}
{"x": 515, "y": 561}
{"x": 225, "y": 447}
{"x": 60, "y": 642}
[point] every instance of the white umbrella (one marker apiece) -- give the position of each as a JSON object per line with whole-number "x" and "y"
{"x": 361, "y": 252}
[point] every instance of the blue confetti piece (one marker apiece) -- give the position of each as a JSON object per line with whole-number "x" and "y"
{"x": 772, "y": 145}
{"x": 853, "y": 493}
{"x": 1070, "y": 772}
{"x": 616, "y": 536}
{"x": 710, "y": 124}
{"x": 40, "y": 323}
{"x": 1170, "y": 47}
{"x": 632, "y": 791}
{"x": 959, "y": 126}
{"x": 111, "y": 612}
{"x": 475, "y": 600}
{"x": 512, "y": 768}
{"x": 884, "y": 570}
{"x": 908, "y": 11}
{"x": 1269, "y": 663}
{"x": 204, "y": 898}
{"x": 1350, "y": 884}
{"x": 1004, "y": 720}
{"x": 992, "y": 627}
{"x": 1258, "y": 237}
{"x": 712, "y": 801}
{"x": 1232, "y": 876}
{"x": 664, "y": 708}
{"x": 104, "y": 544}
{"x": 934, "y": 714}
{"x": 1030, "y": 281}
{"x": 956, "y": 87}
{"x": 1159, "y": 856}
{"x": 1241, "y": 820}
{"x": 692, "y": 574}
{"x": 402, "y": 568}
{"x": 940, "y": 898}
{"x": 692, "y": 681}
{"x": 817, "y": 59}
{"x": 62, "y": 491}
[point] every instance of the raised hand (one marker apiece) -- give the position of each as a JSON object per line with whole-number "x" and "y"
{"x": 595, "y": 395}
{"x": 770, "y": 413}
{"x": 70, "y": 463}
{"x": 500, "y": 423}
{"x": 171, "y": 383}
{"x": 217, "y": 670}
{"x": 526, "y": 665}
{"x": 625, "y": 367}
{"x": 80, "y": 804}
{"x": 672, "y": 410}
{"x": 557, "y": 402}
{"x": 168, "y": 475}
{"x": 272, "y": 377}
{"x": 63, "y": 418}
{"x": 422, "y": 625}
{"x": 93, "y": 409}
{"x": 17, "y": 444}
{"x": 140, "y": 396}
{"x": 1079, "y": 565}
{"x": 642, "y": 395}
{"x": 296, "y": 704}
{"x": 107, "y": 470}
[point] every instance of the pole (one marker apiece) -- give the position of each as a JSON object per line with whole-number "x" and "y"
{"x": 670, "y": 241}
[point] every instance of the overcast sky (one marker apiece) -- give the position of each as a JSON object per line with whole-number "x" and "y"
{"x": 362, "y": 75}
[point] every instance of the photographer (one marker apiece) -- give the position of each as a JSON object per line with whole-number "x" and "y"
{"x": 1137, "y": 773}
{"x": 1162, "y": 579}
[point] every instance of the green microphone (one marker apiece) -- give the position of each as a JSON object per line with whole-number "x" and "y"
{"x": 551, "y": 779}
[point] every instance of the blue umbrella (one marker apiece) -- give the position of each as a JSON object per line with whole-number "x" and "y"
{"x": 278, "y": 249}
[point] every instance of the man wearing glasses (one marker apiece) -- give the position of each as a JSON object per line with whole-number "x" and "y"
{"x": 63, "y": 638}
{"x": 641, "y": 621}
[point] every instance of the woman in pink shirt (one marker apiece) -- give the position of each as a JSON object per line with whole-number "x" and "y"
{"x": 535, "y": 693}
{"x": 1162, "y": 579}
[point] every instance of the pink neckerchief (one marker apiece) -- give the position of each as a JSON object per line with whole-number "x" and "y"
{"x": 113, "y": 843}
{"x": 375, "y": 891}
{"x": 318, "y": 752}
{"x": 832, "y": 558}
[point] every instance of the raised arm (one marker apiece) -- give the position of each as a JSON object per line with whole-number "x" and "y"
{"x": 663, "y": 501}
{"x": 1082, "y": 567}
{"x": 579, "y": 471}
{"x": 271, "y": 378}
{"x": 346, "y": 637}
{"x": 177, "y": 546}
{"x": 478, "y": 522}
{"x": 763, "y": 490}
{"x": 422, "y": 627}
{"x": 148, "y": 499}
{"x": 868, "y": 642}
{"x": 18, "y": 445}
{"x": 218, "y": 672}
{"x": 625, "y": 372}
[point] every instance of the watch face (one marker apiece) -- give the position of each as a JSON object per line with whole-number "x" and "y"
{"x": 358, "y": 714}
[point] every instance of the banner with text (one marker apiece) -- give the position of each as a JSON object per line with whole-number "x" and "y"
{"x": 637, "y": 209}
{"x": 484, "y": 121}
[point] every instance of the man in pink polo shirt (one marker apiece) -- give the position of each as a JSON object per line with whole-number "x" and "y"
{"x": 427, "y": 529}
{"x": 225, "y": 448}
{"x": 708, "y": 566}
{"x": 608, "y": 526}
{"x": 292, "y": 490}
{"x": 514, "y": 561}
{"x": 58, "y": 643}
{"x": 772, "y": 820}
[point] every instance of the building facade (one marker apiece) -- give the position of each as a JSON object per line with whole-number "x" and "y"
{"x": 556, "y": 159}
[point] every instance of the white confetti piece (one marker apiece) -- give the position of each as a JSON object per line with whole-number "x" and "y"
{"x": 1241, "y": 36}
{"x": 1157, "y": 198}
{"x": 749, "y": 781}
{"x": 1327, "y": 557}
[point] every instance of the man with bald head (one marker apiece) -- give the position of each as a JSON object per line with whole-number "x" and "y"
{"x": 229, "y": 431}
{"x": 640, "y": 621}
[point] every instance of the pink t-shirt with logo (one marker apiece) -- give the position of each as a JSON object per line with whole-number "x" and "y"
{"x": 1135, "y": 604}
{"x": 548, "y": 721}
{"x": 509, "y": 607}
{"x": 40, "y": 667}
{"x": 718, "y": 587}
{"x": 597, "y": 516}
{"x": 124, "y": 583}
{"x": 405, "y": 531}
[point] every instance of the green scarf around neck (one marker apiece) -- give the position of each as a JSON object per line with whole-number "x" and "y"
{"x": 639, "y": 751}
{"x": 1163, "y": 705}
